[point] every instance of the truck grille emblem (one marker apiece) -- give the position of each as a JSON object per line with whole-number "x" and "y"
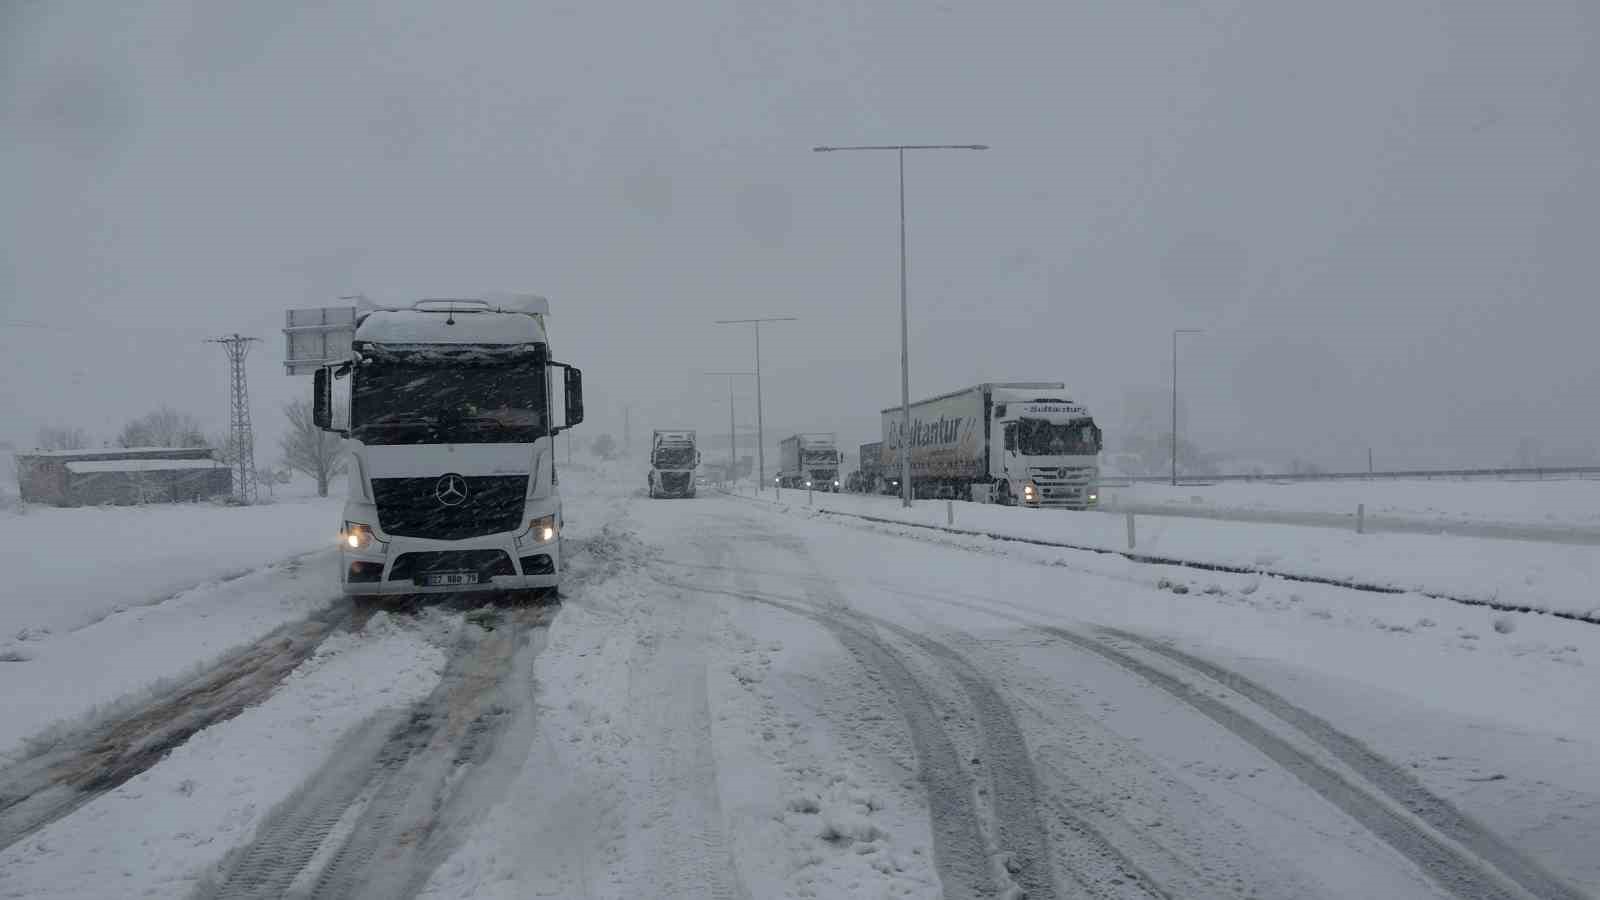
{"x": 451, "y": 490}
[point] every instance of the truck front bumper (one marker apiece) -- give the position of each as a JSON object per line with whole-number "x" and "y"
{"x": 504, "y": 562}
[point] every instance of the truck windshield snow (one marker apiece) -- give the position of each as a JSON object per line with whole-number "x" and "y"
{"x": 675, "y": 458}
{"x": 409, "y": 403}
{"x": 1036, "y": 437}
{"x": 822, "y": 457}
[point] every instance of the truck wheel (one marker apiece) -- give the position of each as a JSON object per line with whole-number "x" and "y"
{"x": 1002, "y": 494}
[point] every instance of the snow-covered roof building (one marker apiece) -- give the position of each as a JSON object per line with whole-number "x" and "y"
{"x": 121, "y": 476}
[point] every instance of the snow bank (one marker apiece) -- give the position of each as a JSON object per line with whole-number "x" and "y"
{"x": 160, "y": 832}
{"x": 1547, "y": 577}
{"x": 1572, "y": 503}
{"x": 65, "y": 569}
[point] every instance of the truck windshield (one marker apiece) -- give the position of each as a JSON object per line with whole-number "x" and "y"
{"x": 822, "y": 457}
{"x": 1036, "y": 437}
{"x": 418, "y": 403}
{"x": 675, "y": 458}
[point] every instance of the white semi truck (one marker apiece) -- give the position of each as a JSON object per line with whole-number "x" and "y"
{"x": 809, "y": 460}
{"x": 446, "y": 407}
{"x": 673, "y": 460}
{"x": 1019, "y": 443}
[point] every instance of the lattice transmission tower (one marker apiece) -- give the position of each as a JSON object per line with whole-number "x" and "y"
{"x": 244, "y": 441}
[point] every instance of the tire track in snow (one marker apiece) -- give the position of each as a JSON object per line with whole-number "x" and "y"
{"x": 1443, "y": 843}
{"x": 424, "y": 776}
{"x": 1017, "y": 865}
{"x": 685, "y": 804}
{"x": 1444, "y": 862}
{"x": 1386, "y": 776}
{"x": 76, "y": 769}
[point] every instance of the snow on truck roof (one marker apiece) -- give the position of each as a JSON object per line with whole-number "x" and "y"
{"x": 1007, "y": 390}
{"x": 492, "y": 319}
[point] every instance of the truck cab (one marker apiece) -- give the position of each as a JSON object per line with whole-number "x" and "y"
{"x": 673, "y": 460}
{"x": 449, "y": 419}
{"x": 1045, "y": 451}
{"x": 809, "y": 461}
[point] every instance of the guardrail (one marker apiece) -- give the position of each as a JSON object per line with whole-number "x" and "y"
{"x": 1534, "y": 474}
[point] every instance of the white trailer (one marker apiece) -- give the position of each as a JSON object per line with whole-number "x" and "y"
{"x": 673, "y": 459}
{"x": 1017, "y": 443}
{"x": 447, "y": 410}
{"x": 809, "y": 460}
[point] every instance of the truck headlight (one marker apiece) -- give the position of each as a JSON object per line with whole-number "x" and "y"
{"x": 1093, "y": 496}
{"x": 544, "y": 529}
{"x": 836, "y": 482}
{"x": 1029, "y": 491}
{"x": 357, "y": 536}
{"x": 808, "y": 484}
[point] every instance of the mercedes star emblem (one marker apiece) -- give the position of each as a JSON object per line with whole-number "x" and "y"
{"x": 451, "y": 490}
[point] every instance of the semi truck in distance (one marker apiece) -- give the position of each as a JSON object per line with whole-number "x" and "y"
{"x": 673, "y": 459}
{"x": 809, "y": 460}
{"x": 1016, "y": 443}
{"x": 871, "y": 477}
{"x": 447, "y": 411}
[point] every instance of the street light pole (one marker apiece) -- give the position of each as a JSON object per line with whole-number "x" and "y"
{"x": 905, "y": 354}
{"x": 761, "y": 434}
{"x": 1175, "y": 333}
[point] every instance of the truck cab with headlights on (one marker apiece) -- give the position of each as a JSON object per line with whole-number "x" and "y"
{"x": 449, "y": 410}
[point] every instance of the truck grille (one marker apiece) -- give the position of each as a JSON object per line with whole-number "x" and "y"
{"x": 1067, "y": 486}
{"x": 675, "y": 482}
{"x": 487, "y": 563}
{"x": 410, "y": 507}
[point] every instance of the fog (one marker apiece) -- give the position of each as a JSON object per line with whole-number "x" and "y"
{"x": 1382, "y": 214}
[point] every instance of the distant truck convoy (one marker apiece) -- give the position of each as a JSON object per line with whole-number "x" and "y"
{"x": 673, "y": 459}
{"x": 446, "y": 411}
{"x": 871, "y": 477}
{"x": 809, "y": 460}
{"x": 1018, "y": 443}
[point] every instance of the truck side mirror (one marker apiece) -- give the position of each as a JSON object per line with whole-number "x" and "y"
{"x": 574, "y": 392}
{"x": 322, "y": 399}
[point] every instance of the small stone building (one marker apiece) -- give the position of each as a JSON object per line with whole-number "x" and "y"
{"x": 122, "y": 476}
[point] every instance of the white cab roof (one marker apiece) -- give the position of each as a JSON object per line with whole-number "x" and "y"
{"x": 442, "y": 325}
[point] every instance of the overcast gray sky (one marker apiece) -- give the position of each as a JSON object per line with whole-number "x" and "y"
{"x": 1383, "y": 212}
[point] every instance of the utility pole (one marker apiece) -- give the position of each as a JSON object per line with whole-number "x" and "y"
{"x": 761, "y": 432}
{"x": 244, "y": 442}
{"x": 733, "y": 456}
{"x": 627, "y": 435}
{"x": 1175, "y": 333}
{"x": 905, "y": 363}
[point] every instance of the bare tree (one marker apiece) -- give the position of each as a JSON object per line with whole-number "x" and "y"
{"x": 63, "y": 438}
{"x": 165, "y": 427}
{"x": 308, "y": 449}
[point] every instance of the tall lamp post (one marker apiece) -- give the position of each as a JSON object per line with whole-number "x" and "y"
{"x": 733, "y": 453}
{"x": 1175, "y": 333}
{"x": 905, "y": 365}
{"x": 761, "y": 435}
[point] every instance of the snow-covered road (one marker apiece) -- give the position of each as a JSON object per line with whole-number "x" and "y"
{"x": 737, "y": 701}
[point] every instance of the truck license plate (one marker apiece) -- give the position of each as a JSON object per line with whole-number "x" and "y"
{"x": 446, "y": 579}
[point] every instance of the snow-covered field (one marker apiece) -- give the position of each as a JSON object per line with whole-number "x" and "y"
{"x": 1565, "y": 510}
{"x": 105, "y": 602}
{"x": 737, "y": 699}
{"x": 1556, "y": 577}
